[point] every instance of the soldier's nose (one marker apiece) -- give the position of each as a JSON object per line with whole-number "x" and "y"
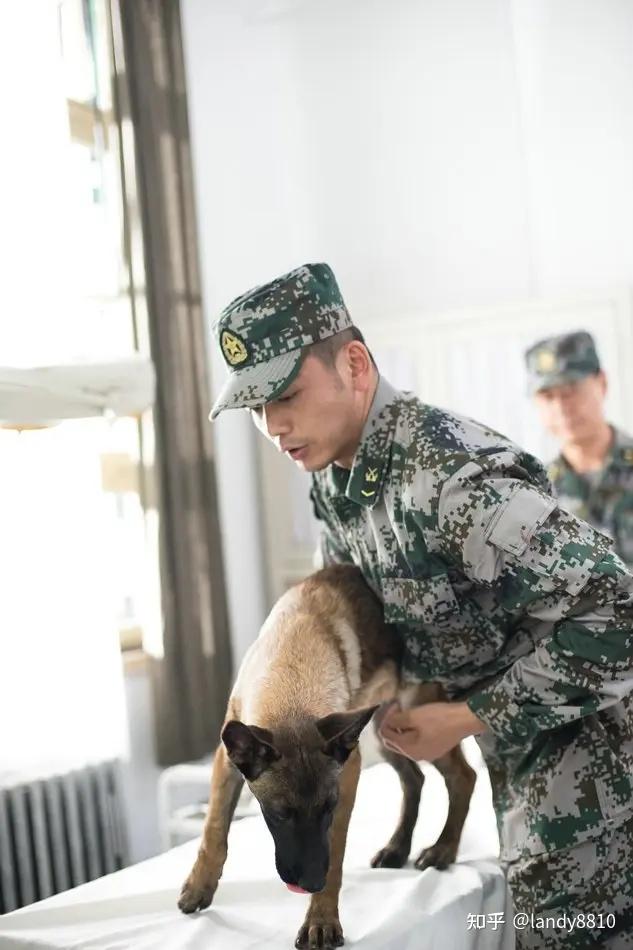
{"x": 274, "y": 423}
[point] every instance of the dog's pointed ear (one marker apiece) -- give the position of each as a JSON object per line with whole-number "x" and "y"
{"x": 250, "y": 748}
{"x": 341, "y": 731}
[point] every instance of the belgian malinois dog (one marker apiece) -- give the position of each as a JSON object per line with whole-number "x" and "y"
{"x": 322, "y": 664}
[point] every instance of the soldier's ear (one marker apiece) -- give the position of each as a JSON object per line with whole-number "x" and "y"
{"x": 250, "y": 748}
{"x": 359, "y": 364}
{"x": 341, "y": 731}
{"x": 604, "y": 382}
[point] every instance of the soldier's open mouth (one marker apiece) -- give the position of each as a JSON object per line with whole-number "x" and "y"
{"x": 296, "y": 454}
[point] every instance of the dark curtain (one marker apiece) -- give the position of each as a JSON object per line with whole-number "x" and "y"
{"x": 191, "y": 682}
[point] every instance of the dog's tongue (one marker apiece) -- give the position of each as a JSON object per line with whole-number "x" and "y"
{"x": 296, "y": 889}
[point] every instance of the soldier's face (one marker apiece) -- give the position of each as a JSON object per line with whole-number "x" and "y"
{"x": 573, "y": 411}
{"x": 318, "y": 419}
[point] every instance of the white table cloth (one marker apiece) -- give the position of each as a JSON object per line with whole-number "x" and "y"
{"x": 380, "y": 909}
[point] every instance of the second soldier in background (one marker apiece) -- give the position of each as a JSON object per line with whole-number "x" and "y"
{"x": 593, "y": 474}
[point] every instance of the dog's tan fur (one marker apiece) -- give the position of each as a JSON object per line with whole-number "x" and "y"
{"x": 324, "y": 649}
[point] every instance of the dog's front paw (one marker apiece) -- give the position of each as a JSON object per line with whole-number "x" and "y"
{"x": 197, "y": 893}
{"x": 320, "y": 931}
{"x": 439, "y": 856}
{"x": 390, "y": 857}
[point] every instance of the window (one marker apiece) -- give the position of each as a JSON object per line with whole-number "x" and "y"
{"x": 68, "y": 234}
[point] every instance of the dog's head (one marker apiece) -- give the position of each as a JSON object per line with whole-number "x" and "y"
{"x": 294, "y": 774}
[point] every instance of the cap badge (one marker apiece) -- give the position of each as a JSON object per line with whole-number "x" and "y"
{"x": 233, "y": 348}
{"x": 545, "y": 361}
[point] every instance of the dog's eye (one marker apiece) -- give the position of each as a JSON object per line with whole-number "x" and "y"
{"x": 279, "y": 815}
{"x": 328, "y": 806}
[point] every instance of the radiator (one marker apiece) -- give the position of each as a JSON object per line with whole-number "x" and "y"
{"x": 59, "y": 830}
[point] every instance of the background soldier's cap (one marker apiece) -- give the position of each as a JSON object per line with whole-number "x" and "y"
{"x": 261, "y": 334}
{"x": 561, "y": 359}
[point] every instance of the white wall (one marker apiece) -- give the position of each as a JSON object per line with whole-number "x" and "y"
{"x": 575, "y": 78}
{"x": 438, "y": 153}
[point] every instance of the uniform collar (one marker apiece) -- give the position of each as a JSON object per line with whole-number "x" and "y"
{"x": 622, "y": 448}
{"x": 364, "y": 482}
{"x": 620, "y": 453}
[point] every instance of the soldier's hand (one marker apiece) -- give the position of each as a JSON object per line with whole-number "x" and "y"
{"x": 429, "y": 731}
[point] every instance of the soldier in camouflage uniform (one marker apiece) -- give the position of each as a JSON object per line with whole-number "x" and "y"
{"x": 523, "y": 612}
{"x": 593, "y": 475}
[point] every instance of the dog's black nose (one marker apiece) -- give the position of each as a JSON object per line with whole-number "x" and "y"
{"x": 311, "y": 883}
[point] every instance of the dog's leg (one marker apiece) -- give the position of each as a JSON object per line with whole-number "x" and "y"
{"x": 396, "y": 851}
{"x": 321, "y": 927}
{"x": 226, "y": 783}
{"x": 460, "y": 781}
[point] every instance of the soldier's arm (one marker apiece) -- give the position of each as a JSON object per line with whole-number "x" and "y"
{"x": 331, "y": 549}
{"x": 541, "y": 561}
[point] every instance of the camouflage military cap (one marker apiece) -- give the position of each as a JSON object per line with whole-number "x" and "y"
{"x": 262, "y": 333}
{"x": 561, "y": 359}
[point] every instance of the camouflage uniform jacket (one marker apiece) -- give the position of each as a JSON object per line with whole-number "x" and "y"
{"x": 504, "y": 598}
{"x": 605, "y": 502}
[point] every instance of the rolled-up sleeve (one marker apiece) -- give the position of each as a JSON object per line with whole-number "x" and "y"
{"x": 542, "y": 562}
